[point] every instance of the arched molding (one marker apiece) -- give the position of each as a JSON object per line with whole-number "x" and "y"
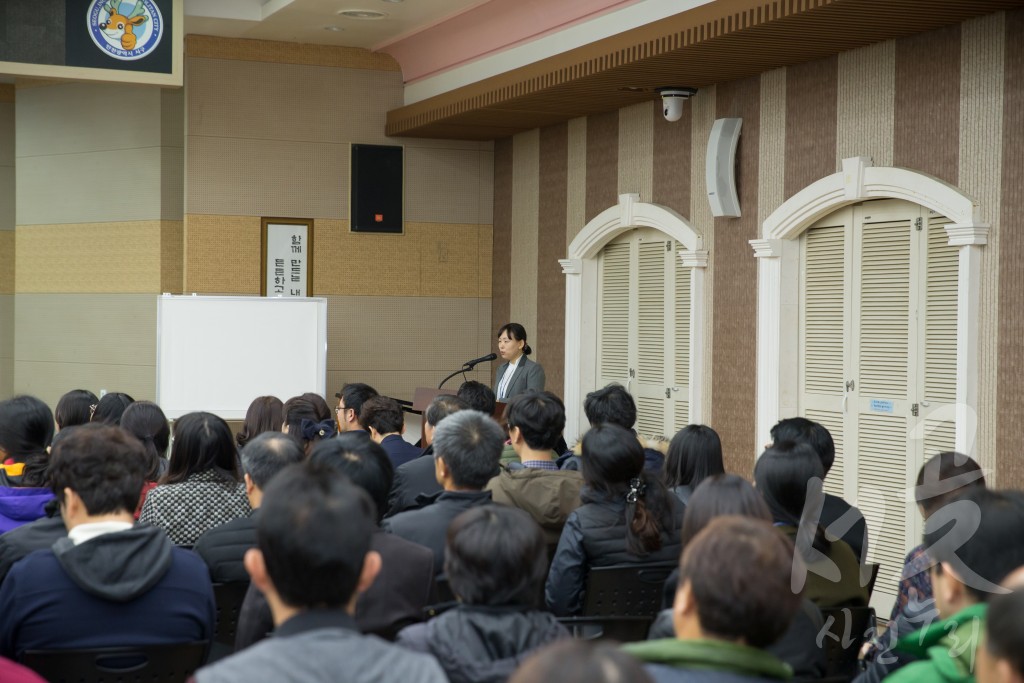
{"x": 580, "y": 269}
{"x": 779, "y": 268}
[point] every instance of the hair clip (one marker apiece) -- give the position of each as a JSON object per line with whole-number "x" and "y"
{"x": 637, "y": 489}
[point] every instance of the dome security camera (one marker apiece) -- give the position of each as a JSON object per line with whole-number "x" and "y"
{"x": 672, "y": 100}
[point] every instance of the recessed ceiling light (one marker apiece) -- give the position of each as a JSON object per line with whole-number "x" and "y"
{"x": 361, "y": 14}
{"x": 334, "y": 28}
{"x": 393, "y": 1}
{"x": 632, "y": 88}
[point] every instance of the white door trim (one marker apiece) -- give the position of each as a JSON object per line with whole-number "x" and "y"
{"x": 580, "y": 270}
{"x": 779, "y": 271}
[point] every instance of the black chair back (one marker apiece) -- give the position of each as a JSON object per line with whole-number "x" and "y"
{"x": 845, "y": 631}
{"x": 621, "y": 601}
{"x": 137, "y": 664}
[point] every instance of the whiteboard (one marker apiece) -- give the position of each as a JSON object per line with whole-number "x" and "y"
{"x": 218, "y": 353}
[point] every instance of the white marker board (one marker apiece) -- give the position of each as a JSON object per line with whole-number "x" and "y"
{"x": 218, "y": 353}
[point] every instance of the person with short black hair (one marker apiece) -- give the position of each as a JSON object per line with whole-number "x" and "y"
{"x": 495, "y": 564}
{"x": 405, "y": 584}
{"x": 313, "y": 560}
{"x": 975, "y": 543}
{"x": 694, "y": 454}
{"x": 478, "y": 396}
{"x": 535, "y": 422}
{"x": 382, "y": 416}
{"x": 202, "y": 487}
{"x": 109, "y": 582}
{"x": 415, "y": 482}
{"x": 835, "y": 512}
{"x": 1001, "y": 657}
{"x": 223, "y": 547}
{"x": 467, "y": 448}
{"x": 733, "y": 601}
{"x": 626, "y": 516}
{"x": 350, "y": 403}
{"x": 580, "y": 661}
{"x": 783, "y": 475}
{"x": 612, "y": 404}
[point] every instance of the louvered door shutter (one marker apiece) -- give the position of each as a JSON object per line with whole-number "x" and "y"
{"x": 882, "y": 315}
{"x": 939, "y": 354}
{"x": 823, "y": 331}
{"x": 614, "y": 314}
{"x": 681, "y": 367}
{"x": 650, "y": 371}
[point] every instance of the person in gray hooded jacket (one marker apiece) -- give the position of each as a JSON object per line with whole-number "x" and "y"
{"x": 110, "y": 582}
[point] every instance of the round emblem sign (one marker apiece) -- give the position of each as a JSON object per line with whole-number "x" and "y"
{"x": 125, "y": 30}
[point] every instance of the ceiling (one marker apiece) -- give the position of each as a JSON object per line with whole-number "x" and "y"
{"x": 714, "y": 43}
{"x": 305, "y": 21}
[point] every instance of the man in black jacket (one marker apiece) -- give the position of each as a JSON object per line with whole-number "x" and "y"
{"x": 416, "y": 478}
{"x": 223, "y": 547}
{"x": 467, "y": 449}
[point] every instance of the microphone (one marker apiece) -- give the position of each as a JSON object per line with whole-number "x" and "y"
{"x": 481, "y": 359}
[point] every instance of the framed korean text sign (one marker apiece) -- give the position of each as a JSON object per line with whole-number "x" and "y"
{"x": 287, "y": 257}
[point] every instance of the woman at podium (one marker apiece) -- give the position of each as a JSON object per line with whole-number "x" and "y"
{"x": 518, "y": 374}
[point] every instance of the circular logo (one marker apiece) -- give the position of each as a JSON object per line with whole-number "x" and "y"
{"x": 126, "y": 30}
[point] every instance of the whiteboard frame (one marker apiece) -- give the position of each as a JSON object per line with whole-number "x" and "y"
{"x": 321, "y": 341}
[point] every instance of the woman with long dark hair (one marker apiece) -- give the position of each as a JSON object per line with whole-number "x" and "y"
{"x": 26, "y": 430}
{"x": 75, "y": 408}
{"x": 309, "y": 420}
{"x": 264, "y": 415}
{"x": 694, "y": 454}
{"x": 146, "y": 422}
{"x": 789, "y": 475}
{"x": 202, "y": 487}
{"x": 627, "y": 515}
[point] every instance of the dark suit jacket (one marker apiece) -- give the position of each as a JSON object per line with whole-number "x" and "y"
{"x": 399, "y": 450}
{"x": 37, "y": 535}
{"x": 429, "y": 526}
{"x": 404, "y": 586}
{"x": 529, "y": 376}
{"x": 413, "y": 479}
{"x": 857, "y": 537}
{"x": 223, "y": 548}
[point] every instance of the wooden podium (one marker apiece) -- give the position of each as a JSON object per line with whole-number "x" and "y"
{"x": 422, "y": 397}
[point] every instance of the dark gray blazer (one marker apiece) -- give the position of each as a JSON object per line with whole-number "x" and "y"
{"x": 529, "y": 377}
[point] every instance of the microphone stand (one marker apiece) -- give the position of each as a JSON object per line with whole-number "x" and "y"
{"x": 465, "y": 368}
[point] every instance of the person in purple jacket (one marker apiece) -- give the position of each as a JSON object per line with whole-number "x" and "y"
{"x": 26, "y": 430}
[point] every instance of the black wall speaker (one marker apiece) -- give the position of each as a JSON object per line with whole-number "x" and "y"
{"x": 377, "y": 188}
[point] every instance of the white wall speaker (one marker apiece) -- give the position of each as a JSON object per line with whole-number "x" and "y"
{"x": 720, "y": 168}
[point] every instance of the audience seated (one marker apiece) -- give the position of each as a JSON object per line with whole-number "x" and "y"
{"x": 478, "y": 396}
{"x": 580, "y": 661}
{"x": 1001, "y": 657}
{"x": 614, "y": 405}
{"x": 26, "y": 430}
{"x": 730, "y": 494}
{"x": 265, "y": 414}
{"x": 782, "y": 475}
{"x": 733, "y": 601}
{"x": 405, "y": 584}
{"x": 495, "y": 564}
{"x": 202, "y": 487}
{"x": 694, "y": 454}
{"x": 627, "y": 515}
{"x": 146, "y": 422}
{"x": 940, "y": 481}
{"x": 314, "y": 559}
{"x": 223, "y": 547}
{"x": 383, "y": 418}
{"x": 974, "y": 543}
{"x": 415, "y": 481}
{"x": 838, "y": 516}
{"x": 74, "y": 408}
{"x": 467, "y": 447}
{"x": 110, "y": 582}
{"x": 306, "y": 420}
{"x": 111, "y": 407}
{"x": 535, "y": 423}
{"x": 350, "y": 403}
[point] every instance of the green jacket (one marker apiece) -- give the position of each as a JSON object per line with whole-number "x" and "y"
{"x": 711, "y": 655}
{"x": 947, "y": 649}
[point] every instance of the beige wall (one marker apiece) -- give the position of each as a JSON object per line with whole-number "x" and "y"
{"x": 269, "y": 133}
{"x": 6, "y": 240}
{"x": 98, "y": 213}
{"x": 798, "y": 123}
